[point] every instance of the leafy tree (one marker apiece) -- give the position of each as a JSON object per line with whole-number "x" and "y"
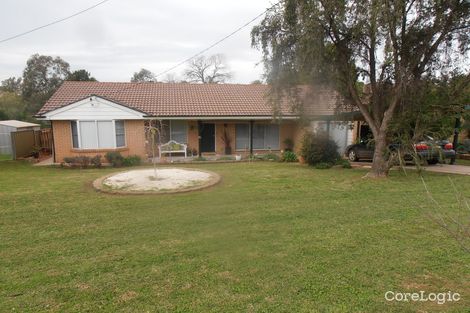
{"x": 41, "y": 78}
{"x": 12, "y": 84}
{"x": 12, "y": 106}
{"x": 389, "y": 45}
{"x": 3, "y": 116}
{"x": 143, "y": 75}
{"x": 81, "y": 75}
{"x": 433, "y": 107}
{"x": 211, "y": 70}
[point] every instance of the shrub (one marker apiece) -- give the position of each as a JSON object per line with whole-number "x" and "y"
{"x": 69, "y": 160}
{"x": 132, "y": 160}
{"x": 84, "y": 161}
{"x": 464, "y": 147}
{"x": 323, "y": 165}
{"x": 343, "y": 163}
{"x": 79, "y": 161}
{"x": 114, "y": 158}
{"x": 318, "y": 148}
{"x": 96, "y": 161}
{"x": 271, "y": 157}
{"x": 200, "y": 159}
{"x": 264, "y": 157}
{"x": 289, "y": 143}
{"x": 289, "y": 156}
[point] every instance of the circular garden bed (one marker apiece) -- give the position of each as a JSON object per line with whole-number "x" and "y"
{"x": 166, "y": 180}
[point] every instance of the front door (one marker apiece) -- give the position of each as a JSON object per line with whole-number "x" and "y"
{"x": 208, "y": 138}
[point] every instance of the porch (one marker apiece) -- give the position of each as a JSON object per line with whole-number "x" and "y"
{"x": 212, "y": 139}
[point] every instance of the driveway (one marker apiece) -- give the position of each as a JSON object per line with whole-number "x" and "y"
{"x": 438, "y": 168}
{"x": 448, "y": 169}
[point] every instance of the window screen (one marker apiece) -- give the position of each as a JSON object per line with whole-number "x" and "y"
{"x": 242, "y": 136}
{"x": 74, "y": 134}
{"x": 88, "y": 135}
{"x": 120, "y": 134}
{"x": 105, "y": 134}
{"x": 265, "y": 136}
{"x": 258, "y": 136}
{"x": 179, "y": 131}
{"x": 271, "y": 137}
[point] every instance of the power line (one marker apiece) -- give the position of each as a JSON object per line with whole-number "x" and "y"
{"x": 54, "y": 22}
{"x": 218, "y": 41}
{"x": 208, "y": 48}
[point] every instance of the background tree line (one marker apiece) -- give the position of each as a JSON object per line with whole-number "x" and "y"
{"x": 22, "y": 97}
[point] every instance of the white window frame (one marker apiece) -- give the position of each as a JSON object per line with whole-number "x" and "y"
{"x": 97, "y": 136}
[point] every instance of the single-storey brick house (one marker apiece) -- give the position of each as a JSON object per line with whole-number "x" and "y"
{"x": 90, "y": 118}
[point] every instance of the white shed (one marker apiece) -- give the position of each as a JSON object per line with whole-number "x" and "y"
{"x": 7, "y": 127}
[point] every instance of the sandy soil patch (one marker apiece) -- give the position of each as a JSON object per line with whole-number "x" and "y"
{"x": 167, "y": 180}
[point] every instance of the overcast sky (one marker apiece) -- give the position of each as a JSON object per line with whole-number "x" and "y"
{"x": 118, "y": 38}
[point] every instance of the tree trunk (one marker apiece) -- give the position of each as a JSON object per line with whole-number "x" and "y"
{"x": 380, "y": 166}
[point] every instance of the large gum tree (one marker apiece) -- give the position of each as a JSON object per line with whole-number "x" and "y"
{"x": 388, "y": 46}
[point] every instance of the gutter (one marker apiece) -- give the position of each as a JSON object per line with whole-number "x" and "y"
{"x": 232, "y": 117}
{"x": 338, "y": 117}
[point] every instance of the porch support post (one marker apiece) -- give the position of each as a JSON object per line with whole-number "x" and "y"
{"x": 199, "y": 132}
{"x": 251, "y": 137}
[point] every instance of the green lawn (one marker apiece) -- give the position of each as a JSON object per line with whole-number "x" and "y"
{"x": 4, "y": 157}
{"x": 462, "y": 162}
{"x": 270, "y": 237}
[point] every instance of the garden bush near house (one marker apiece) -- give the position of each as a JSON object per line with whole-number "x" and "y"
{"x": 265, "y": 157}
{"x": 289, "y": 144}
{"x": 132, "y": 160}
{"x": 271, "y": 157}
{"x": 318, "y": 148}
{"x": 114, "y": 158}
{"x": 323, "y": 165}
{"x": 464, "y": 147}
{"x": 289, "y": 156}
{"x": 343, "y": 163}
{"x": 96, "y": 161}
{"x": 78, "y": 161}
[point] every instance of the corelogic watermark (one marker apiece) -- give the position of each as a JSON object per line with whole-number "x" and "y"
{"x": 423, "y": 296}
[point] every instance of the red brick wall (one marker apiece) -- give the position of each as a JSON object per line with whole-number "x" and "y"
{"x": 193, "y": 135}
{"x": 135, "y": 138}
{"x": 135, "y": 141}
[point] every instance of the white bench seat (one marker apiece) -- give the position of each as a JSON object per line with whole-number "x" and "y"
{"x": 172, "y": 147}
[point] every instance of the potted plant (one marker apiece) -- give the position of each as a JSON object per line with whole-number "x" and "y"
{"x": 227, "y": 142}
{"x": 36, "y": 152}
{"x": 289, "y": 144}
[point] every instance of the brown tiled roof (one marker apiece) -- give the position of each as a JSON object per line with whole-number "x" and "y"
{"x": 182, "y": 99}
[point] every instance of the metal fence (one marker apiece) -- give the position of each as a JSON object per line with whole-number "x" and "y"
{"x": 22, "y": 144}
{"x": 5, "y": 142}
